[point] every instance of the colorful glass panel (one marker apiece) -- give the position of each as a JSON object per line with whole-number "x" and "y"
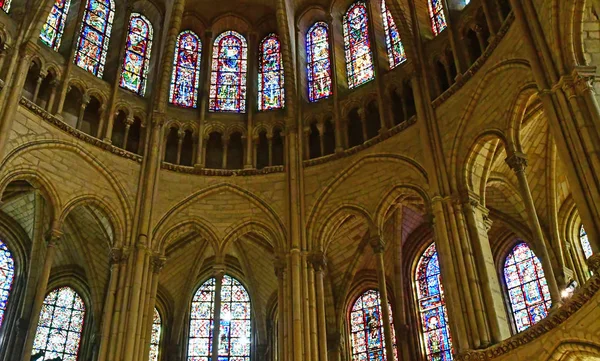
{"x": 527, "y": 288}
{"x": 357, "y": 45}
{"x": 436, "y": 14}
{"x": 395, "y": 49}
{"x": 318, "y": 64}
{"x": 137, "y": 54}
{"x": 186, "y": 70}
{"x": 61, "y": 323}
{"x": 271, "y": 94}
{"x": 52, "y": 30}
{"x": 95, "y": 33}
{"x": 155, "y": 336}
{"x": 366, "y": 328}
{"x": 7, "y": 276}
{"x": 432, "y": 307}
{"x": 585, "y": 243}
{"x": 5, "y": 5}
{"x": 228, "y": 76}
{"x": 201, "y": 322}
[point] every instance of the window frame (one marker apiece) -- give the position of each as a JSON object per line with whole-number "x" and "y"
{"x": 310, "y": 43}
{"x": 56, "y": 41}
{"x": 146, "y": 56}
{"x": 99, "y": 63}
{"x": 196, "y": 70}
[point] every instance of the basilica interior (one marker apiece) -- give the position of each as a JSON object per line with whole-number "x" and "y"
{"x": 299, "y": 180}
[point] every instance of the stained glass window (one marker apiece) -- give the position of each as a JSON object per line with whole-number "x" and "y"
{"x": 366, "y": 327}
{"x": 155, "y": 336}
{"x": 5, "y": 5}
{"x": 95, "y": 35}
{"x": 186, "y": 70}
{"x": 436, "y": 14}
{"x": 228, "y": 76}
{"x": 61, "y": 323}
{"x": 52, "y": 30}
{"x": 527, "y": 288}
{"x": 7, "y": 275}
{"x": 235, "y": 325}
{"x": 359, "y": 59}
{"x": 271, "y": 94}
{"x": 137, "y": 54}
{"x": 395, "y": 49}
{"x": 318, "y": 63}
{"x": 585, "y": 243}
{"x": 432, "y": 307}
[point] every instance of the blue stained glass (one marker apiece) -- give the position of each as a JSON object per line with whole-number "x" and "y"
{"x": 366, "y": 327}
{"x": 186, "y": 70}
{"x": 5, "y": 5}
{"x": 395, "y": 49}
{"x": 94, "y": 36}
{"x": 318, "y": 64}
{"x": 60, "y": 325}
{"x": 432, "y": 307}
{"x": 228, "y": 76}
{"x": 7, "y": 276}
{"x": 527, "y": 288}
{"x": 436, "y": 14}
{"x": 155, "y": 336}
{"x": 271, "y": 94}
{"x": 585, "y": 243}
{"x": 359, "y": 59}
{"x": 52, "y": 30}
{"x": 137, "y": 54}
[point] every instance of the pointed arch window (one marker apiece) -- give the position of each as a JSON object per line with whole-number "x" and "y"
{"x": 436, "y": 14}
{"x": 155, "y": 336}
{"x": 585, "y": 243}
{"x": 137, "y": 54}
{"x": 359, "y": 59}
{"x": 395, "y": 49}
{"x": 95, "y": 33}
{"x": 432, "y": 307}
{"x": 228, "y": 77}
{"x": 318, "y": 62}
{"x": 7, "y": 276}
{"x": 60, "y": 326}
{"x": 234, "y": 330}
{"x": 5, "y": 5}
{"x": 271, "y": 94}
{"x": 52, "y": 30}
{"x": 366, "y": 328}
{"x": 527, "y": 288}
{"x": 186, "y": 70}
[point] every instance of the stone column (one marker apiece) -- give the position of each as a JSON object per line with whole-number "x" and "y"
{"x": 319, "y": 263}
{"x": 363, "y": 123}
{"x": 52, "y": 241}
{"x": 321, "y": 129}
{"x": 281, "y": 309}
{"x": 157, "y": 263}
{"x": 85, "y": 100}
{"x": 378, "y": 50}
{"x": 454, "y": 44}
{"x": 128, "y": 123}
{"x": 225, "y": 151}
{"x": 219, "y": 272}
{"x": 38, "y": 84}
{"x": 205, "y": 89}
{"x": 479, "y": 32}
{"x": 517, "y": 162}
{"x": 489, "y": 19}
{"x": 251, "y": 99}
{"x": 270, "y": 141}
{"x": 53, "y": 86}
{"x": 337, "y": 118}
{"x": 180, "y": 136}
{"x": 378, "y": 249}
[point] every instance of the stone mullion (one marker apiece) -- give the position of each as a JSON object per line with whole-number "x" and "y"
{"x": 378, "y": 249}
{"x": 252, "y": 98}
{"x": 459, "y": 62}
{"x": 400, "y": 319}
{"x": 375, "y": 35}
{"x": 337, "y": 116}
{"x": 219, "y": 273}
{"x": 52, "y": 242}
{"x": 157, "y": 264}
{"x": 204, "y": 87}
{"x": 319, "y": 266}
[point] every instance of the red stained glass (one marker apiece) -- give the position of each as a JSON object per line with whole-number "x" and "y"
{"x": 436, "y": 14}
{"x": 228, "y": 76}
{"x": 52, "y": 30}
{"x": 137, "y": 54}
{"x": 318, "y": 62}
{"x": 395, "y": 49}
{"x": 359, "y": 59}
{"x": 96, "y": 28}
{"x": 186, "y": 70}
{"x": 271, "y": 94}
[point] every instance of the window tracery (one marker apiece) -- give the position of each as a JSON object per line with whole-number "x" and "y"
{"x": 359, "y": 59}
{"x": 228, "y": 77}
{"x": 186, "y": 70}
{"x": 271, "y": 93}
{"x": 94, "y": 37}
{"x": 53, "y": 28}
{"x": 527, "y": 288}
{"x": 318, "y": 62}
{"x": 137, "y": 54}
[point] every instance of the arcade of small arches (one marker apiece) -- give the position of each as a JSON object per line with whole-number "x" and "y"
{"x": 274, "y": 180}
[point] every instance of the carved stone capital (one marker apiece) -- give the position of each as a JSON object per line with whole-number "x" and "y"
{"x": 377, "y": 244}
{"x": 594, "y": 263}
{"x": 318, "y": 260}
{"x": 85, "y": 99}
{"x": 158, "y": 262}
{"x": 517, "y": 161}
{"x": 119, "y": 255}
{"x": 158, "y": 119}
{"x": 53, "y": 237}
{"x": 280, "y": 267}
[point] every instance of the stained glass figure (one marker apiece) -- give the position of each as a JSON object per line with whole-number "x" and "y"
{"x": 395, "y": 49}
{"x": 61, "y": 323}
{"x": 359, "y": 59}
{"x": 5, "y": 5}
{"x": 95, "y": 33}
{"x": 235, "y": 325}
{"x": 186, "y": 70}
{"x": 155, "y": 336}
{"x": 527, "y": 288}
{"x": 366, "y": 328}
{"x": 52, "y": 30}
{"x": 432, "y": 307}
{"x": 7, "y": 276}
{"x": 585, "y": 243}
{"x": 318, "y": 62}
{"x": 271, "y": 94}
{"x": 436, "y": 14}
{"x": 228, "y": 76}
{"x": 137, "y": 54}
